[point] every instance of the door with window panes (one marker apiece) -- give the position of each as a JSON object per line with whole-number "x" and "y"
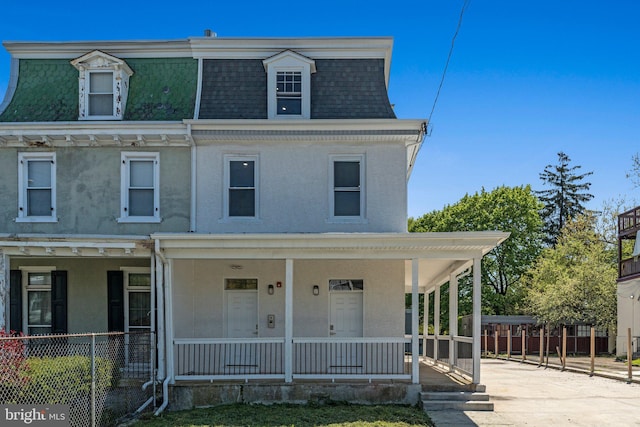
{"x": 137, "y": 316}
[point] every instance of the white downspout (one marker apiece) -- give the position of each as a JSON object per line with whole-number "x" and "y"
{"x": 160, "y": 268}
{"x": 194, "y": 157}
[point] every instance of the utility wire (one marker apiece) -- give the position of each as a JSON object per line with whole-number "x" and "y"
{"x": 446, "y": 66}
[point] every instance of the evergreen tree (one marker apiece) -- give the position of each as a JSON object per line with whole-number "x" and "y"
{"x": 566, "y": 197}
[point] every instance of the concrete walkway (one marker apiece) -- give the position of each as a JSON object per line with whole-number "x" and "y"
{"x": 526, "y": 395}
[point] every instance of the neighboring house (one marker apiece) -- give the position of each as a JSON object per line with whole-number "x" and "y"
{"x": 252, "y": 192}
{"x": 628, "y": 293}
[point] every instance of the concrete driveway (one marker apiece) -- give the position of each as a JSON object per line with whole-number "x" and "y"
{"x": 525, "y": 395}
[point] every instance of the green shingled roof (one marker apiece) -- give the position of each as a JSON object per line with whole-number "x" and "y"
{"x": 160, "y": 89}
{"x": 47, "y": 91}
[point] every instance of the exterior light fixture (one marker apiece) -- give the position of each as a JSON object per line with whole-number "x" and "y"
{"x": 316, "y": 290}
{"x": 270, "y": 289}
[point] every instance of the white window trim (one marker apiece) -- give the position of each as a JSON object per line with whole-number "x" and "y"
{"x": 128, "y": 288}
{"x": 98, "y": 61}
{"x": 23, "y": 158}
{"x": 228, "y": 158}
{"x": 25, "y": 289}
{"x": 362, "y": 218}
{"x": 114, "y": 89}
{"x": 125, "y": 159}
{"x": 289, "y": 61}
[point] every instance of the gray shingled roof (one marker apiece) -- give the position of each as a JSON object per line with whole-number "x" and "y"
{"x": 233, "y": 89}
{"x": 340, "y": 89}
{"x": 349, "y": 89}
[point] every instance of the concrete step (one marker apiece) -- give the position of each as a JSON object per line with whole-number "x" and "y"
{"x": 456, "y": 405}
{"x": 458, "y": 400}
{"x": 464, "y": 396}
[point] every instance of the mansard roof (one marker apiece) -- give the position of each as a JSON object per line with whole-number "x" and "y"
{"x": 200, "y": 77}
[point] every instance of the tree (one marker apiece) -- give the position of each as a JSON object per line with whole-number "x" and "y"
{"x": 566, "y": 197}
{"x": 634, "y": 173}
{"x": 512, "y": 209}
{"x": 575, "y": 282}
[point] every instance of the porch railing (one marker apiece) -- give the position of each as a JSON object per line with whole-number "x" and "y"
{"x": 311, "y": 358}
{"x": 231, "y": 358}
{"x": 460, "y": 361}
{"x": 364, "y": 358}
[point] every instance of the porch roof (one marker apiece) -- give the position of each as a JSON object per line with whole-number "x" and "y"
{"x": 439, "y": 254}
{"x": 75, "y": 246}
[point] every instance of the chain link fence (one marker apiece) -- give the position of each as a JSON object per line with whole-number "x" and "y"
{"x": 102, "y": 378}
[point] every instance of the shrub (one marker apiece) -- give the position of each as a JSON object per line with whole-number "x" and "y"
{"x": 63, "y": 380}
{"x": 13, "y": 365}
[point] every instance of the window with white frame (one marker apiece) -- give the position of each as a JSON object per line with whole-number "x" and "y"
{"x": 241, "y": 193}
{"x": 103, "y": 86}
{"x": 36, "y": 300}
{"x": 37, "y": 187}
{"x": 140, "y": 192}
{"x": 289, "y": 85}
{"x": 289, "y": 93}
{"x": 100, "y": 95}
{"x": 346, "y": 198}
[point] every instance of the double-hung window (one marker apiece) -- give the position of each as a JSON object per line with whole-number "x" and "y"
{"x": 241, "y": 195}
{"x": 346, "y": 198}
{"x": 101, "y": 94}
{"x": 289, "y": 93}
{"x": 140, "y": 192}
{"x": 37, "y": 187}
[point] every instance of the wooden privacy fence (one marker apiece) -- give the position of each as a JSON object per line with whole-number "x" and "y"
{"x": 512, "y": 339}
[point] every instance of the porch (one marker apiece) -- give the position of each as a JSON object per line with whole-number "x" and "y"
{"x": 324, "y": 359}
{"x": 188, "y": 394}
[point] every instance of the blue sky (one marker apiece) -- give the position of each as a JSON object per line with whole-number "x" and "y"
{"x": 527, "y": 79}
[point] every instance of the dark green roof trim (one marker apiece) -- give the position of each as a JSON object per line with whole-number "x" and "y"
{"x": 47, "y": 90}
{"x": 160, "y": 89}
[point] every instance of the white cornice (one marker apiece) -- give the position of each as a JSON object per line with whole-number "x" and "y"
{"x": 120, "y": 49}
{"x": 391, "y": 125}
{"x": 94, "y": 133}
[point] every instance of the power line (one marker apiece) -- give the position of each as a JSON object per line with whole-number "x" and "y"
{"x": 446, "y": 65}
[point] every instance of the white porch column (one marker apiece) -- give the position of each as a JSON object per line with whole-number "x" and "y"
{"x": 436, "y": 322}
{"x": 4, "y": 290}
{"x": 453, "y": 317}
{"x": 288, "y": 321}
{"x": 477, "y": 318}
{"x": 425, "y": 330}
{"x": 415, "y": 348}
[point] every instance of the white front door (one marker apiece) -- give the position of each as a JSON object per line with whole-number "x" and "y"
{"x": 242, "y": 313}
{"x": 346, "y": 314}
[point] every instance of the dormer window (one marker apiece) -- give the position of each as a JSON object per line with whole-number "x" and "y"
{"x": 289, "y": 85}
{"x": 289, "y": 93}
{"x": 103, "y": 86}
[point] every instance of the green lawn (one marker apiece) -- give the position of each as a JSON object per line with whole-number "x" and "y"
{"x": 293, "y": 415}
